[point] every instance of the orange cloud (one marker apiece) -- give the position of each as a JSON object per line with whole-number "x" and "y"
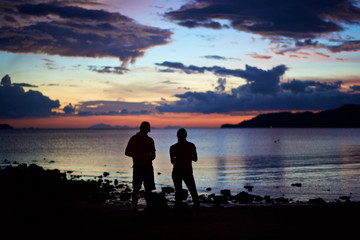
{"x": 258, "y": 56}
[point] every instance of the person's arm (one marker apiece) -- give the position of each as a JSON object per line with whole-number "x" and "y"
{"x": 172, "y": 156}
{"x": 129, "y": 148}
{"x": 194, "y": 155}
{"x": 152, "y": 151}
{"x": 152, "y": 155}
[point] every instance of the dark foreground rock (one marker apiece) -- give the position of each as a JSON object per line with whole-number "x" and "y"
{"x": 33, "y": 184}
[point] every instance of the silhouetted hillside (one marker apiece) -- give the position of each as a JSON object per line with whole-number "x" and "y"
{"x": 105, "y": 126}
{"x": 5, "y": 126}
{"x": 347, "y": 116}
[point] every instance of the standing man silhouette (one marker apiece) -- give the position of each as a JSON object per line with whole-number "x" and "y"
{"x": 141, "y": 148}
{"x": 182, "y": 154}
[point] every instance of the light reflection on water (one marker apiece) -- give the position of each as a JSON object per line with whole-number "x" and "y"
{"x": 325, "y": 161}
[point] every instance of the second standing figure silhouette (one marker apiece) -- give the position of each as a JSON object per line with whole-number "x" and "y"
{"x": 182, "y": 154}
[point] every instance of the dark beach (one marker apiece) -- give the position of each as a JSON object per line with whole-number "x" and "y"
{"x": 74, "y": 208}
{"x": 245, "y": 222}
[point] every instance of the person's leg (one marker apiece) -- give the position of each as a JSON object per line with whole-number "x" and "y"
{"x": 135, "y": 199}
{"x": 137, "y": 182}
{"x": 190, "y": 183}
{"x": 176, "y": 176}
{"x": 149, "y": 182}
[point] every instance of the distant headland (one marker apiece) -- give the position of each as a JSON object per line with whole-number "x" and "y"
{"x": 5, "y": 126}
{"x": 106, "y": 126}
{"x": 347, "y": 116}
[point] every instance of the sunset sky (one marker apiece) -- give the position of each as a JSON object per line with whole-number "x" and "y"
{"x": 199, "y": 63}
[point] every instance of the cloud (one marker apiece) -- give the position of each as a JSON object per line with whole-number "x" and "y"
{"x": 259, "y": 56}
{"x": 205, "y": 24}
{"x": 263, "y": 92}
{"x": 345, "y": 46}
{"x": 169, "y": 82}
{"x": 91, "y": 108}
{"x": 108, "y": 69}
{"x": 16, "y": 103}
{"x": 296, "y": 19}
{"x": 69, "y": 109}
{"x": 297, "y": 86}
{"x": 355, "y": 87}
{"x": 180, "y": 66}
{"x": 25, "y": 85}
{"x": 70, "y": 12}
{"x": 322, "y": 55}
{"x": 221, "y": 87}
{"x": 341, "y": 45}
{"x": 6, "y": 80}
{"x": 292, "y": 25}
{"x": 217, "y": 57}
{"x": 306, "y": 42}
{"x": 68, "y": 28}
{"x": 258, "y": 79}
{"x": 341, "y": 59}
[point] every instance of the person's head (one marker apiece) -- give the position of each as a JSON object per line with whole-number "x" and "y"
{"x": 145, "y": 127}
{"x": 181, "y": 134}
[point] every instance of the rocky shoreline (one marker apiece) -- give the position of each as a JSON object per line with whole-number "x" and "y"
{"x": 23, "y": 182}
{"x": 40, "y": 203}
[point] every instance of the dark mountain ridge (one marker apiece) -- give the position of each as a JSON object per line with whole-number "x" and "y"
{"x": 5, "y": 126}
{"x": 347, "y": 116}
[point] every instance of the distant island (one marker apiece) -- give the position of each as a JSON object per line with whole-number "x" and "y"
{"x": 5, "y": 126}
{"x": 347, "y": 116}
{"x": 106, "y": 126}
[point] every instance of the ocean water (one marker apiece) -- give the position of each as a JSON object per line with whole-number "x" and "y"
{"x": 325, "y": 161}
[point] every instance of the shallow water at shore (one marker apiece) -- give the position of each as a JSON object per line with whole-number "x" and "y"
{"x": 325, "y": 161}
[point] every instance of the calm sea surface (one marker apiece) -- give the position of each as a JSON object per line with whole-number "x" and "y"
{"x": 325, "y": 161}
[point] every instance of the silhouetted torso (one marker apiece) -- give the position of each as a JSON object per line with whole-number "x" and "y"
{"x": 140, "y": 148}
{"x": 183, "y": 154}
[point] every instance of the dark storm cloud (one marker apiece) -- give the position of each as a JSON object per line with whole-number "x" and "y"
{"x": 355, "y": 87}
{"x": 206, "y": 24}
{"x": 297, "y": 86}
{"x": 44, "y": 9}
{"x": 68, "y": 28}
{"x": 260, "y": 81}
{"x": 16, "y": 103}
{"x": 191, "y": 69}
{"x": 297, "y": 19}
{"x": 69, "y": 109}
{"x": 264, "y": 91}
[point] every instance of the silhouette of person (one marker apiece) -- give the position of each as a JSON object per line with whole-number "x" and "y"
{"x": 182, "y": 154}
{"x": 141, "y": 148}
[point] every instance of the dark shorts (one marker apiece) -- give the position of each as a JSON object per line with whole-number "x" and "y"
{"x": 143, "y": 174}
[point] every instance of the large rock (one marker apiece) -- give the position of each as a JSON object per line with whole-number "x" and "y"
{"x": 157, "y": 204}
{"x": 167, "y": 190}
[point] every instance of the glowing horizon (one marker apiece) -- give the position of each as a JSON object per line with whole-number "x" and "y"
{"x": 156, "y": 121}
